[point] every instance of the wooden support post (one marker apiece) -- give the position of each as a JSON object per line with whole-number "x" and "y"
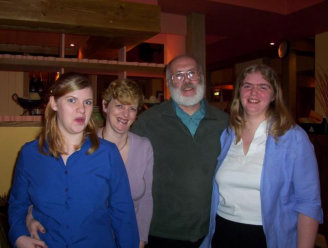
{"x": 93, "y": 80}
{"x": 195, "y": 42}
{"x": 321, "y": 68}
{"x": 62, "y": 50}
{"x": 122, "y": 58}
{"x": 289, "y": 82}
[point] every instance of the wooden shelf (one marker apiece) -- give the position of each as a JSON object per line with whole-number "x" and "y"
{"x": 19, "y": 62}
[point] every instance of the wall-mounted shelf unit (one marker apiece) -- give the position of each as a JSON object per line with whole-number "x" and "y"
{"x": 93, "y": 27}
{"x": 19, "y": 62}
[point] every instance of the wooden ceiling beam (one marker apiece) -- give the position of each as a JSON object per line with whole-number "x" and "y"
{"x": 124, "y": 23}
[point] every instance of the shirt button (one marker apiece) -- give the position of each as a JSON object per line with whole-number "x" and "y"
{"x": 67, "y": 226}
{"x": 66, "y": 190}
{"x": 66, "y": 172}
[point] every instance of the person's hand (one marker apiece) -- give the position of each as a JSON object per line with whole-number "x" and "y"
{"x": 33, "y": 225}
{"x": 142, "y": 244}
{"x": 27, "y": 242}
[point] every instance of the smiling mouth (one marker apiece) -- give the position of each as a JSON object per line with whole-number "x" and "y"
{"x": 122, "y": 121}
{"x": 253, "y": 101}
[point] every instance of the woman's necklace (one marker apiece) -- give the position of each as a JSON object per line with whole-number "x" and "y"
{"x": 126, "y": 140}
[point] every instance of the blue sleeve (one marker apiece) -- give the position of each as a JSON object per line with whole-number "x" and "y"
{"x": 121, "y": 207}
{"x": 306, "y": 179}
{"x": 18, "y": 201}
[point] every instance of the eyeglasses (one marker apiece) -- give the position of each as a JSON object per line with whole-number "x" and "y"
{"x": 261, "y": 87}
{"x": 180, "y": 75}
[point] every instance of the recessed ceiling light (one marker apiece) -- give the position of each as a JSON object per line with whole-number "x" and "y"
{"x": 72, "y": 45}
{"x": 272, "y": 43}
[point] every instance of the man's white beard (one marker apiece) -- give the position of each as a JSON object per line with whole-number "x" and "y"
{"x": 187, "y": 100}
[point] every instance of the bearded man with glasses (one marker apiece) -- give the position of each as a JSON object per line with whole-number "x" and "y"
{"x": 184, "y": 133}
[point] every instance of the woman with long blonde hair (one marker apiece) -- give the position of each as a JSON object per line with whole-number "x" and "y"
{"x": 266, "y": 190}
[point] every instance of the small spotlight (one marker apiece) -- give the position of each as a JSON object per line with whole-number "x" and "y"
{"x": 216, "y": 93}
{"x": 57, "y": 75}
{"x": 72, "y": 45}
{"x": 272, "y": 43}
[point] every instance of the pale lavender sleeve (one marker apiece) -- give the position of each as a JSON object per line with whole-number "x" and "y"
{"x": 140, "y": 172}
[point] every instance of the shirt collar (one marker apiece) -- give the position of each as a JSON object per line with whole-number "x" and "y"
{"x": 200, "y": 113}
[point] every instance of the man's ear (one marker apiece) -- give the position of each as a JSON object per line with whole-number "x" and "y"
{"x": 53, "y": 103}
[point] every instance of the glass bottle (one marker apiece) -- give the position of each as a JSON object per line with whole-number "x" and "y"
{"x": 33, "y": 89}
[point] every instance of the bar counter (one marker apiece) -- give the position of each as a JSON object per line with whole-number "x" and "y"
{"x": 14, "y": 133}
{"x": 20, "y": 121}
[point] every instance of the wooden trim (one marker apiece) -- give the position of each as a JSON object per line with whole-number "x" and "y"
{"x": 21, "y": 121}
{"x": 52, "y": 51}
{"x": 21, "y": 124}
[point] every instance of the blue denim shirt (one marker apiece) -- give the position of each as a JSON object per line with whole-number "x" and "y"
{"x": 289, "y": 186}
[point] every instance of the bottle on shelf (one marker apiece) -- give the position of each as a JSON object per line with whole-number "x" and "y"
{"x": 40, "y": 87}
{"x": 33, "y": 89}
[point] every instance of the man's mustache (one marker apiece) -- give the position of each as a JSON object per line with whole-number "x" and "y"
{"x": 188, "y": 85}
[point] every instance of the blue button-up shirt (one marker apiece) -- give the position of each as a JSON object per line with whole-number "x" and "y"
{"x": 85, "y": 203}
{"x": 191, "y": 121}
{"x": 289, "y": 187}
